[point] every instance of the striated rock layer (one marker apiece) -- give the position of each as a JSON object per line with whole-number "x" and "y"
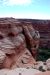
{"x": 18, "y": 44}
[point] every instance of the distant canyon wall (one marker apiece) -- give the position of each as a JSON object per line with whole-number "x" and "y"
{"x": 43, "y": 26}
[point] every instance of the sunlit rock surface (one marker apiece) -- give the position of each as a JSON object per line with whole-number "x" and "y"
{"x": 19, "y": 43}
{"x": 19, "y": 71}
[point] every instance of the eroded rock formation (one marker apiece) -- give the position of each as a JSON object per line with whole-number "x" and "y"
{"x": 18, "y": 44}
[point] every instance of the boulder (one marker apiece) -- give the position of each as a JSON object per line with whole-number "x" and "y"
{"x": 39, "y": 65}
{"x": 48, "y": 64}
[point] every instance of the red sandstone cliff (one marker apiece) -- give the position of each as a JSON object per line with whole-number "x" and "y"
{"x": 21, "y": 29}
{"x": 19, "y": 43}
{"x": 43, "y": 26}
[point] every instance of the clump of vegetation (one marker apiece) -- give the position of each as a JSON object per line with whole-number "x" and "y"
{"x": 43, "y": 54}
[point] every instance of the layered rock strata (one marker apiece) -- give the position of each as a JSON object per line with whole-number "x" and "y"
{"x": 18, "y": 45}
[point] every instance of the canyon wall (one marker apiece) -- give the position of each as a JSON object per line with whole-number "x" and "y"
{"x": 19, "y": 43}
{"x": 43, "y": 26}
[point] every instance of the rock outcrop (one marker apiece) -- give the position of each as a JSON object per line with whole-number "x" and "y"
{"x": 19, "y": 42}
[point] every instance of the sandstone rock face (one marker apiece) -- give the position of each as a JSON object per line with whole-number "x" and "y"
{"x": 25, "y": 60}
{"x": 43, "y": 26}
{"x": 19, "y": 43}
{"x": 32, "y": 38}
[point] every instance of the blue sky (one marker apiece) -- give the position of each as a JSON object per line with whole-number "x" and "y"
{"x": 34, "y": 9}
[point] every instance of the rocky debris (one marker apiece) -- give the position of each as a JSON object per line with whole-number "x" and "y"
{"x": 40, "y": 66}
{"x": 48, "y": 64}
{"x": 4, "y": 71}
{"x": 19, "y": 71}
{"x": 23, "y": 71}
